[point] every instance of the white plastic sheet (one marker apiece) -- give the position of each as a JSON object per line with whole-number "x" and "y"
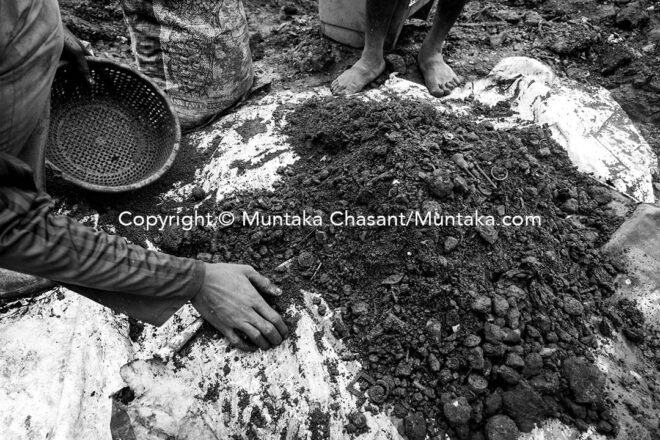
{"x": 59, "y": 362}
{"x": 287, "y": 385}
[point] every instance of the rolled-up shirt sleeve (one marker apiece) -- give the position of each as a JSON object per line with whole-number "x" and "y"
{"x": 144, "y": 284}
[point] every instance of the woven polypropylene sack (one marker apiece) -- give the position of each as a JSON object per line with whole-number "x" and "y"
{"x": 197, "y": 51}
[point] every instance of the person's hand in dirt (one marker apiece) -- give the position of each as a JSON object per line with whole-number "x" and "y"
{"x": 74, "y": 52}
{"x": 230, "y": 300}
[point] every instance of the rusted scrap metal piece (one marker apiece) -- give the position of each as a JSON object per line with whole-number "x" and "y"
{"x": 361, "y": 376}
{"x": 499, "y": 173}
{"x": 485, "y": 175}
{"x": 462, "y": 164}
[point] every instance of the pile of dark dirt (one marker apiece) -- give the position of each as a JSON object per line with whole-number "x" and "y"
{"x": 474, "y": 329}
{"x": 471, "y": 329}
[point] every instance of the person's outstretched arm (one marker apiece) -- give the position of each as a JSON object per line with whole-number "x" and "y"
{"x": 37, "y": 242}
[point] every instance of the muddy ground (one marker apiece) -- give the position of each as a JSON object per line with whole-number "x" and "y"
{"x": 478, "y": 332}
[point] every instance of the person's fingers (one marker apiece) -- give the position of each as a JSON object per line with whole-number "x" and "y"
{"x": 273, "y": 317}
{"x": 236, "y": 341}
{"x": 255, "y": 336}
{"x": 263, "y": 284}
{"x": 268, "y": 330}
{"x": 85, "y": 51}
{"x": 83, "y": 67}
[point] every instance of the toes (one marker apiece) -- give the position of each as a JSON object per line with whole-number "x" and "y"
{"x": 434, "y": 89}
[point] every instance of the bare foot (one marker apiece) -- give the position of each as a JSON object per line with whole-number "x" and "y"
{"x": 439, "y": 77}
{"x": 357, "y": 77}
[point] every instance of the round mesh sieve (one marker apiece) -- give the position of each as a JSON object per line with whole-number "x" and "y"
{"x": 118, "y": 134}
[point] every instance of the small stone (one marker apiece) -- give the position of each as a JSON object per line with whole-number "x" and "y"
{"x": 306, "y": 260}
{"x": 533, "y": 364}
{"x": 360, "y": 308}
{"x": 513, "y": 291}
{"x": 606, "y": 328}
{"x": 377, "y": 394}
{"x": 431, "y": 206}
{"x": 460, "y": 185}
{"x": 488, "y": 233}
{"x": 585, "y": 379}
{"x": 493, "y": 333}
{"x": 570, "y": 206}
{"x": 604, "y": 427}
{"x": 392, "y": 279}
{"x": 513, "y": 318}
{"x": 654, "y": 34}
{"x": 358, "y": 419}
{"x": 482, "y": 304}
{"x": 338, "y": 327}
{"x": 544, "y": 152}
{"x": 393, "y": 323}
{"x": 477, "y": 383}
{"x": 198, "y": 193}
{"x": 524, "y": 406}
{"x": 434, "y": 330}
{"x": 508, "y": 375}
{"x": 322, "y": 309}
{"x": 472, "y": 137}
{"x": 205, "y": 257}
{"x": 450, "y": 244}
{"x": 514, "y": 360}
{"x": 440, "y": 188}
{"x": 498, "y": 39}
{"x": 573, "y": 307}
{"x": 632, "y": 17}
{"x": 457, "y": 411}
{"x": 494, "y": 350}
{"x": 471, "y": 341}
{"x": 501, "y": 427}
{"x": 404, "y": 369}
{"x": 546, "y": 382}
{"x": 434, "y": 363}
{"x": 396, "y": 63}
{"x": 321, "y": 237}
{"x": 290, "y": 9}
{"x": 500, "y": 305}
{"x": 493, "y": 404}
{"x": 533, "y": 18}
{"x": 475, "y": 358}
{"x": 601, "y": 195}
{"x": 414, "y": 426}
{"x": 511, "y": 336}
{"x": 532, "y": 332}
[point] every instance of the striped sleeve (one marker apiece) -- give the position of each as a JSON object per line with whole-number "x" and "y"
{"x": 35, "y": 241}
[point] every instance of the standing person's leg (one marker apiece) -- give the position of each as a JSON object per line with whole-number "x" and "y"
{"x": 372, "y": 63}
{"x": 439, "y": 77}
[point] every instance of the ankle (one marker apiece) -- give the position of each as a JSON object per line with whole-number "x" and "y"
{"x": 372, "y": 58}
{"x": 429, "y": 55}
